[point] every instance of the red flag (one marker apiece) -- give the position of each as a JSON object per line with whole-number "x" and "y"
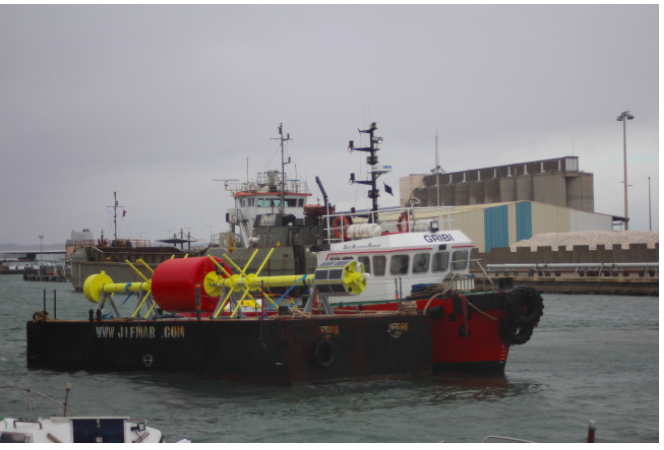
{"x": 124, "y": 213}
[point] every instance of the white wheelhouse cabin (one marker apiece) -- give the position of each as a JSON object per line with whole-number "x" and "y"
{"x": 395, "y": 261}
{"x": 264, "y": 197}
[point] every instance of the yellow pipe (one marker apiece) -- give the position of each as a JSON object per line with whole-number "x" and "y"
{"x": 145, "y": 264}
{"x": 221, "y": 307}
{"x": 268, "y": 297}
{"x": 137, "y": 271}
{"x": 236, "y": 308}
{"x": 116, "y": 288}
{"x": 265, "y": 261}
{"x": 138, "y": 308}
{"x": 151, "y": 308}
{"x": 235, "y": 265}
{"x": 219, "y": 266}
{"x": 246, "y": 266}
{"x": 254, "y": 283}
{"x": 240, "y": 302}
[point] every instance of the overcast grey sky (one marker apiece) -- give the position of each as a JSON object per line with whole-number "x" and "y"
{"x": 155, "y": 102}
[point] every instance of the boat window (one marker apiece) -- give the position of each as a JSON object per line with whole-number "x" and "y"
{"x": 291, "y": 202}
{"x": 300, "y": 202}
{"x": 379, "y": 263}
{"x": 421, "y": 263}
{"x": 260, "y": 202}
{"x": 343, "y": 258}
{"x": 460, "y": 260}
{"x": 399, "y": 264}
{"x": 440, "y": 261}
{"x": 367, "y": 263}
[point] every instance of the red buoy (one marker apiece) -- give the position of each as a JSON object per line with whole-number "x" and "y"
{"x": 174, "y": 284}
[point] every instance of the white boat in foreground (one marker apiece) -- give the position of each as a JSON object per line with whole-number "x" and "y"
{"x": 78, "y": 429}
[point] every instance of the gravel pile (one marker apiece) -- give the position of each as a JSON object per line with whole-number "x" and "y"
{"x": 591, "y": 238}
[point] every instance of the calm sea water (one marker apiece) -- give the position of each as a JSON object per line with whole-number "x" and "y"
{"x": 592, "y": 358}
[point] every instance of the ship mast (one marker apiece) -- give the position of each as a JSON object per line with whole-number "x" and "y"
{"x": 283, "y": 164}
{"x": 115, "y": 215}
{"x": 372, "y": 160}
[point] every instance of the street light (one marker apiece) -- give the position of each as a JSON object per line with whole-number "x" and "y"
{"x": 437, "y": 170}
{"x": 624, "y": 117}
{"x": 210, "y": 227}
{"x": 41, "y": 243}
{"x": 649, "y": 211}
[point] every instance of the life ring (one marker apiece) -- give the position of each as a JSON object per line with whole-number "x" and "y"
{"x": 323, "y": 353}
{"x": 402, "y": 217}
{"x": 523, "y": 308}
{"x": 335, "y": 226}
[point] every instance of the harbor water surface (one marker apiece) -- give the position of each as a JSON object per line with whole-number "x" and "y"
{"x": 591, "y": 358}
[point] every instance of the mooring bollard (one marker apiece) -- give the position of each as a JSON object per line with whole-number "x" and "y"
{"x": 591, "y": 432}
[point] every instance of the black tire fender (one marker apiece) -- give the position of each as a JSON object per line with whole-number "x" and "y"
{"x": 323, "y": 353}
{"x": 514, "y": 335}
{"x": 524, "y": 306}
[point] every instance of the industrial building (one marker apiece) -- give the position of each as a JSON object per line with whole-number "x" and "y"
{"x": 556, "y": 181}
{"x": 499, "y": 225}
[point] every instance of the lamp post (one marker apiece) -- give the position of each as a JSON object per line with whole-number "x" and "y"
{"x": 210, "y": 227}
{"x": 649, "y": 210}
{"x": 437, "y": 170}
{"x": 41, "y": 243}
{"x": 624, "y": 117}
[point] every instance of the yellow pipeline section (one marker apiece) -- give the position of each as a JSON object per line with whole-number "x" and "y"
{"x": 353, "y": 280}
{"x": 97, "y": 285}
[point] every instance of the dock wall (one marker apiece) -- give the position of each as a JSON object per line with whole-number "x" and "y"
{"x": 636, "y": 253}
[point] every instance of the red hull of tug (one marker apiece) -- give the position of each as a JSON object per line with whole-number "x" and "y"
{"x": 473, "y": 344}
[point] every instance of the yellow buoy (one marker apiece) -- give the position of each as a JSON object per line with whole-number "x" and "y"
{"x": 93, "y": 284}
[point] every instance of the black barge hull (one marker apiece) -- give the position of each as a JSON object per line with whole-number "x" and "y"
{"x": 287, "y": 351}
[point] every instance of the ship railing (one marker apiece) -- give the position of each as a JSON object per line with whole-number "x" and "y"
{"x": 263, "y": 185}
{"x": 243, "y": 224}
{"x": 643, "y": 269}
{"x": 486, "y": 275}
{"x": 390, "y": 220}
{"x": 108, "y": 242}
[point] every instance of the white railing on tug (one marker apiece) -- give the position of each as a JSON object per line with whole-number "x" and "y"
{"x": 264, "y": 185}
{"x": 338, "y": 226}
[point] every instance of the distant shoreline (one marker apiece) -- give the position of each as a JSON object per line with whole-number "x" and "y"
{"x": 30, "y": 248}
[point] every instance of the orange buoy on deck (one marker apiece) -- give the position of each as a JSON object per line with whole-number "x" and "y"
{"x": 174, "y": 284}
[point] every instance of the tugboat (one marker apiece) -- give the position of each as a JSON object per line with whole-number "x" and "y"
{"x": 405, "y": 250}
{"x": 271, "y": 212}
{"x": 352, "y": 322}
